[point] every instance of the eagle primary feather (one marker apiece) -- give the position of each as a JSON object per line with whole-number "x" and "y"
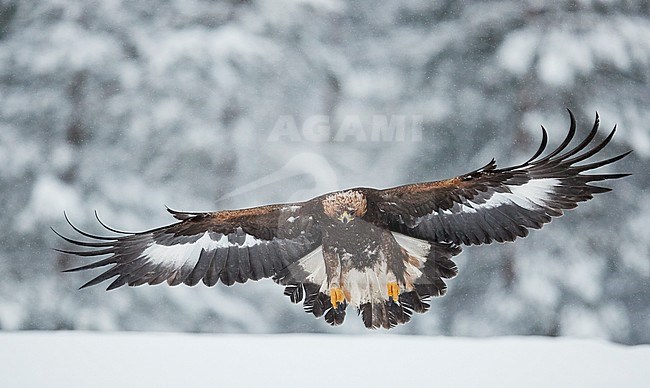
{"x": 383, "y": 252}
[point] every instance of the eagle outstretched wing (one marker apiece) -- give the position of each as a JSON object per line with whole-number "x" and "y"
{"x": 231, "y": 246}
{"x": 497, "y": 204}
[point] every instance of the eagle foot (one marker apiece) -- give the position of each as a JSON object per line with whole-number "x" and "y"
{"x": 337, "y": 297}
{"x": 393, "y": 291}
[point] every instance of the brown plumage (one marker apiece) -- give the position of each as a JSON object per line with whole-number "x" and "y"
{"x": 383, "y": 252}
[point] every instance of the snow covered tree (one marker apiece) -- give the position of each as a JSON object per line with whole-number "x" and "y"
{"x": 125, "y": 106}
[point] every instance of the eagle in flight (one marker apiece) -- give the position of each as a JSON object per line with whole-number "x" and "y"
{"x": 382, "y": 252}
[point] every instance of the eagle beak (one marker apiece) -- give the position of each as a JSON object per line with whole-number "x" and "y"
{"x": 346, "y": 217}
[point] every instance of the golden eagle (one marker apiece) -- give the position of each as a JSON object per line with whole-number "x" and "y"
{"x": 382, "y": 252}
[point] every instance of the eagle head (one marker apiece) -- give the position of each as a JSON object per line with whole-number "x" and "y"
{"x": 345, "y": 206}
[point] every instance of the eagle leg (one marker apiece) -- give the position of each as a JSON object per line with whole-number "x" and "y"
{"x": 337, "y": 297}
{"x": 393, "y": 291}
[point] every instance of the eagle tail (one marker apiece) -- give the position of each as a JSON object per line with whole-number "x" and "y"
{"x": 429, "y": 264}
{"x": 384, "y": 313}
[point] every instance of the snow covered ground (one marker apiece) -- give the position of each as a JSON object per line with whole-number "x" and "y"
{"x": 84, "y": 359}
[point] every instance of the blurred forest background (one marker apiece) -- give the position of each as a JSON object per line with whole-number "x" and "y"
{"x": 124, "y": 107}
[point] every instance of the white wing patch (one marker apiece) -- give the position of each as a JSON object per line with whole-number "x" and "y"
{"x": 179, "y": 255}
{"x": 535, "y": 190}
{"x": 531, "y": 195}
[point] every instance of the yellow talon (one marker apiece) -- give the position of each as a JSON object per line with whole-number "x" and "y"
{"x": 393, "y": 291}
{"x": 336, "y": 296}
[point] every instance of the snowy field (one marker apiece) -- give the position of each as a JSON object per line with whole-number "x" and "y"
{"x": 83, "y": 359}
